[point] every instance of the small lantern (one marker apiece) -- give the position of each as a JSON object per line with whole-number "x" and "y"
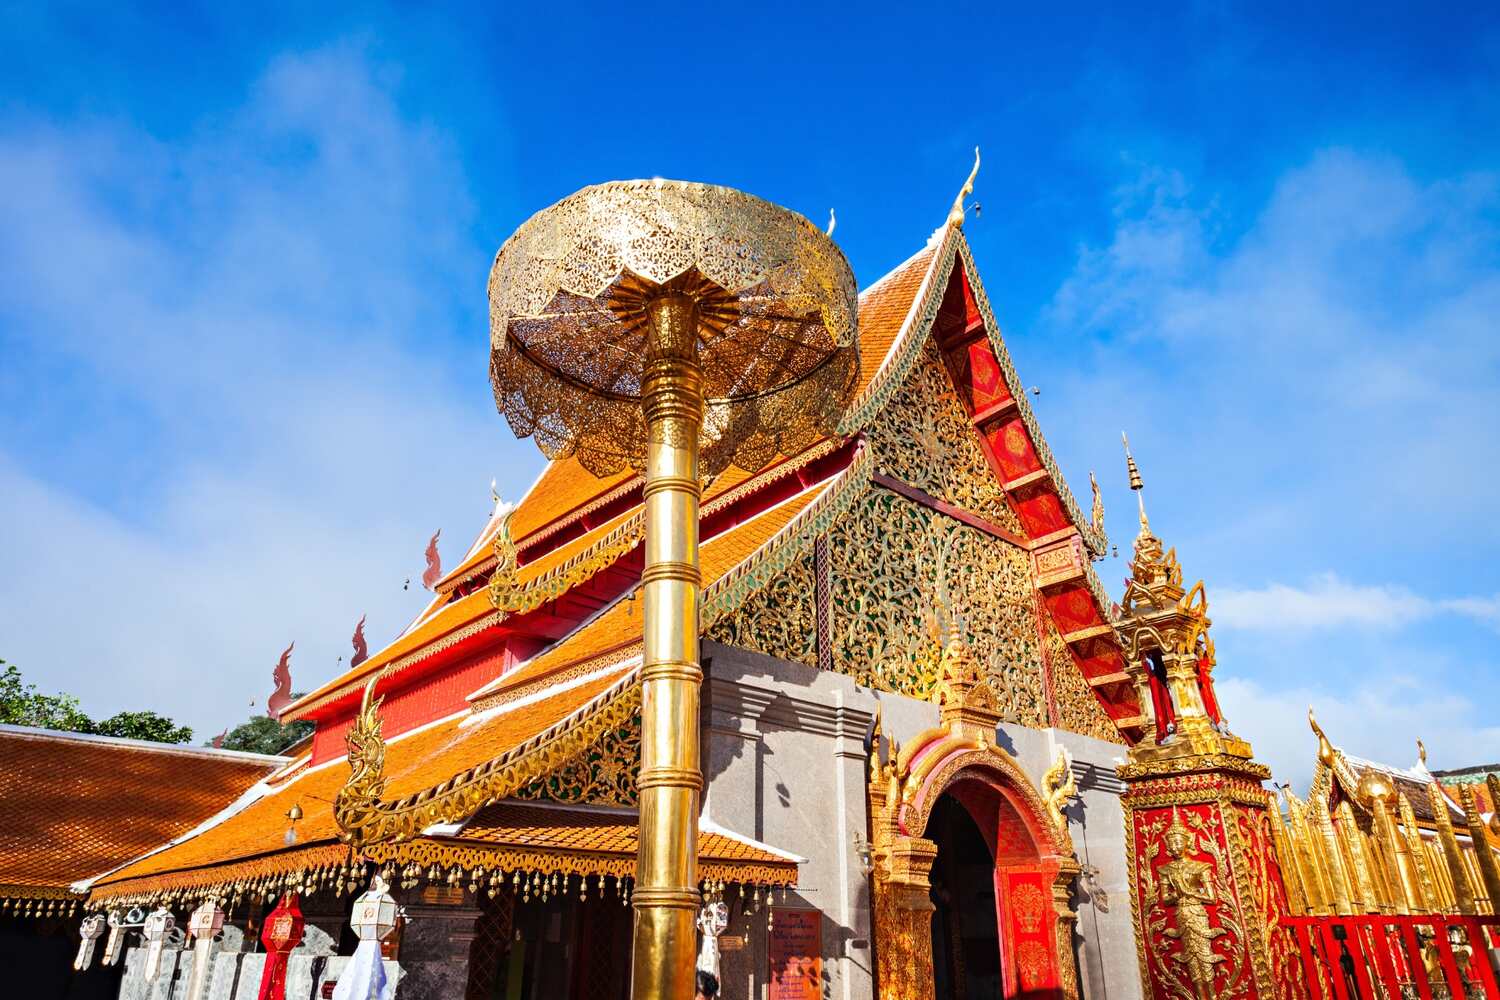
{"x": 89, "y": 932}
{"x": 374, "y": 913}
{"x": 115, "y": 943}
{"x": 281, "y": 933}
{"x": 373, "y": 917}
{"x": 155, "y": 930}
{"x": 206, "y": 921}
{"x": 203, "y": 923}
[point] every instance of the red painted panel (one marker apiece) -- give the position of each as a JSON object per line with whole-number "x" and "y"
{"x": 427, "y": 697}
{"x": 1040, "y": 511}
{"x": 1028, "y": 920}
{"x": 1098, "y": 656}
{"x": 1011, "y": 446}
{"x": 1072, "y": 608}
{"x": 986, "y": 385}
{"x": 971, "y": 307}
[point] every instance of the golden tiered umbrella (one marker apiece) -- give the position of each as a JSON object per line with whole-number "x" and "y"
{"x": 675, "y": 328}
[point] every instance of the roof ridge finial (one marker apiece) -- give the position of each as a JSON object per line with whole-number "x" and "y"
{"x": 1136, "y": 482}
{"x": 956, "y": 213}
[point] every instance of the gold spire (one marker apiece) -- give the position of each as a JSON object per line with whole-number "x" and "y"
{"x": 1136, "y": 483}
{"x": 1096, "y": 517}
{"x": 956, "y": 213}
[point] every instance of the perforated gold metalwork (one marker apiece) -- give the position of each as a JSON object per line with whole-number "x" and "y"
{"x": 923, "y": 438}
{"x": 776, "y": 314}
{"x": 885, "y": 555}
{"x": 779, "y": 619}
{"x": 603, "y": 773}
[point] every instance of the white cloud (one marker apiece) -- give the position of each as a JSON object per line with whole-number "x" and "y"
{"x": 1379, "y": 718}
{"x": 1328, "y": 601}
{"x": 247, "y": 394}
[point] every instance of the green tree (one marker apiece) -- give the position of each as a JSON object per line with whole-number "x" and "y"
{"x": 21, "y": 704}
{"x": 143, "y": 726}
{"x": 263, "y": 734}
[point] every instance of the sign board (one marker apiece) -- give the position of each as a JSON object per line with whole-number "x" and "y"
{"x": 443, "y": 895}
{"x": 795, "y": 949}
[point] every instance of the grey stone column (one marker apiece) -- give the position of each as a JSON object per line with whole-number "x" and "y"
{"x": 435, "y": 951}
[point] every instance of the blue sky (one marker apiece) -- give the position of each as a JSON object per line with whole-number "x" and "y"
{"x": 243, "y": 320}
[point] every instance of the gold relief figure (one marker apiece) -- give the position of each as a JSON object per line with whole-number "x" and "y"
{"x": 1187, "y": 885}
{"x": 1058, "y": 787}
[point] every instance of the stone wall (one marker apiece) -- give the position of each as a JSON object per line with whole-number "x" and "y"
{"x": 784, "y": 763}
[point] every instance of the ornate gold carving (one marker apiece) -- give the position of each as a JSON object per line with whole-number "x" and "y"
{"x": 1058, "y": 787}
{"x": 1096, "y": 514}
{"x": 776, "y": 305}
{"x": 1179, "y": 895}
{"x": 512, "y": 597}
{"x": 923, "y": 438}
{"x": 884, "y": 557}
{"x": 902, "y": 792}
{"x": 469, "y": 856}
{"x": 366, "y": 819}
{"x": 956, "y": 213}
{"x": 779, "y": 619}
{"x": 604, "y": 773}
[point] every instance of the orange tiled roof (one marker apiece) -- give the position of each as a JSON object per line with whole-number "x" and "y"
{"x": 533, "y": 831}
{"x": 74, "y": 806}
{"x": 618, "y": 628}
{"x": 415, "y": 760}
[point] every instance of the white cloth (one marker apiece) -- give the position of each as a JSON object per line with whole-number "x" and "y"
{"x": 364, "y": 977}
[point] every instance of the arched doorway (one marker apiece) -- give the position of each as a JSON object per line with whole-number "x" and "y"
{"x": 965, "y": 935}
{"x": 944, "y": 807}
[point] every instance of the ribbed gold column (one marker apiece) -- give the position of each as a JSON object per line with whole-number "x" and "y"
{"x": 1463, "y": 895}
{"x": 666, "y": 897}
{"x": 1403, "y": 871}
{"x": 1484, "y": 857}
{"x": 1417, "y": 851}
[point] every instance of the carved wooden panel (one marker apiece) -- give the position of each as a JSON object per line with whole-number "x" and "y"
{"x": 604, "y": 773}
{"x": 923, "y": 438}
{"x": 780, "y": 619}
{"x": 885, "y": 555}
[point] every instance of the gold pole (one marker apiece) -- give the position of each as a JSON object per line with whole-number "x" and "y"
{"x": 1483, "y": 855}
{"x": 1406, "y": 890}
{"x": 1359, "y": 862}
{"x": 1463, "y": 895}
{"x": 1417, "y": 851}
{"x": 665, "y": 897}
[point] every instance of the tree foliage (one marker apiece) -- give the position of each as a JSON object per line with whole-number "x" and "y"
{"x": 262, "y": 734}
{"x": 21, "y": 704}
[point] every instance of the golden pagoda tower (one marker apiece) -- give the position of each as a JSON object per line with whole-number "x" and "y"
{"x": 1206, "y": 885}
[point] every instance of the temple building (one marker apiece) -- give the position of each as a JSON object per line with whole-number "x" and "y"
{"x": 939, "y": 758}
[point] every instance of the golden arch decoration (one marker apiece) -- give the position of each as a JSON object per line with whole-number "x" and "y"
{"x": 1034, "y": 862}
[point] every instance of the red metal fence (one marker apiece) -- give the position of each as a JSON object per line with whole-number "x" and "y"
{"x": 1428, "y": 957}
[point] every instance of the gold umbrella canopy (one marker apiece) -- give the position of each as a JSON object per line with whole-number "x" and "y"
{"x": 776, "y": 307}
